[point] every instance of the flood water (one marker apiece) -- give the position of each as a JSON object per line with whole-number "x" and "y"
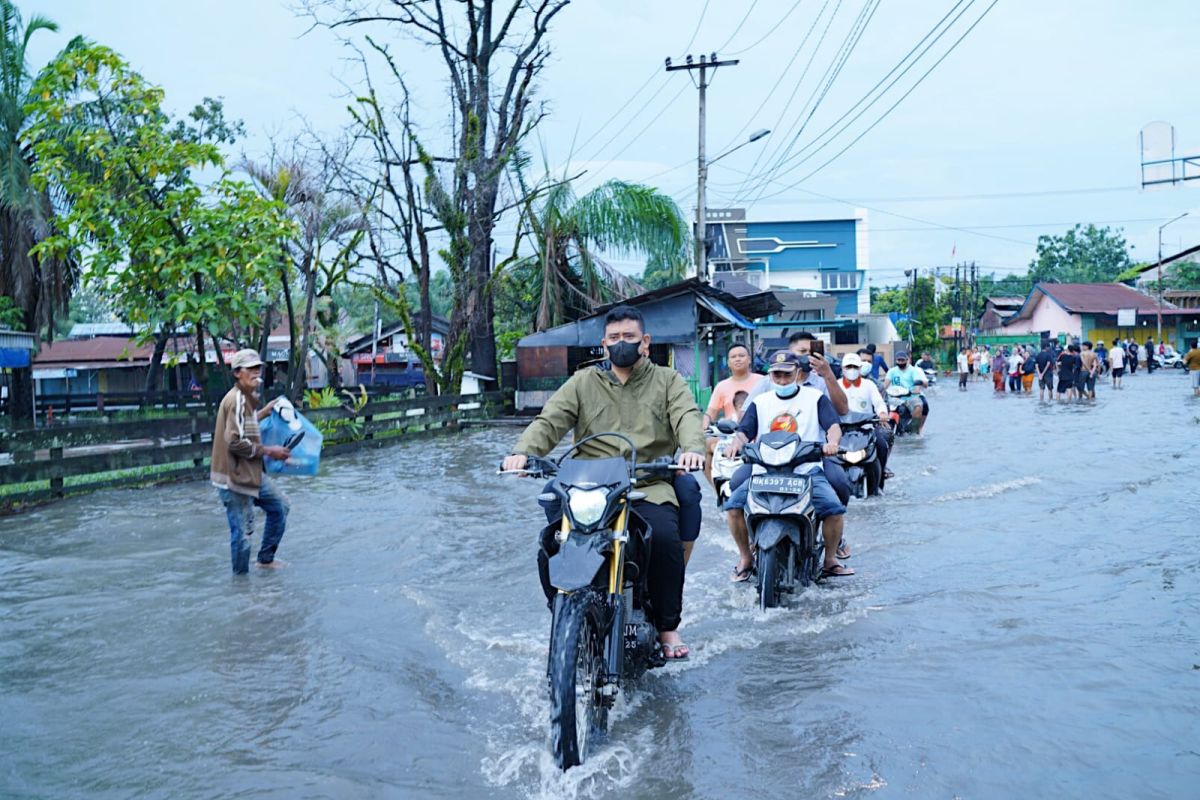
{"x": 1025, "y": 622}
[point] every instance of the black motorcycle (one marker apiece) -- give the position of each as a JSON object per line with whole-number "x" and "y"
{"x": 599, "y": 557}
{"x": 784, "y": 531}
{"x": 860, "y": 460}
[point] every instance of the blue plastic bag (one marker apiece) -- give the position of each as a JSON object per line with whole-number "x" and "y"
{"x": 281, "y": 425}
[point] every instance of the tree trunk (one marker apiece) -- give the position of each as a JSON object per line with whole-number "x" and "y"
{"x": 297, "y": 384}
{"x": 20, "y": 398}
{"x": 154, "y": 371}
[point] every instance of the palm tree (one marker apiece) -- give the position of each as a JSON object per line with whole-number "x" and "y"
{"x": 569, "y": 234}
{"x": 38, "y": 287}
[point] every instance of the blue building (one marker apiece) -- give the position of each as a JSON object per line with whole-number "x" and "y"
{"x": 816, "y": 255}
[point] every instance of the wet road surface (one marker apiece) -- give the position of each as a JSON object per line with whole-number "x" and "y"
{"x": 1023, "y": 624}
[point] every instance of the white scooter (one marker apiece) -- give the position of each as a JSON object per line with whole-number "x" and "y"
{"x": 722, "y": 467}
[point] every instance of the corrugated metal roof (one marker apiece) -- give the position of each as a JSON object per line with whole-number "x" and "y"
{"x": 89, "y": 352}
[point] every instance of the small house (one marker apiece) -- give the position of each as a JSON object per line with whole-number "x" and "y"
{"x": 690, "y": 323}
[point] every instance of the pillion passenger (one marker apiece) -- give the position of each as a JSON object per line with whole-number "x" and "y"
{"x": 800, "y": 409}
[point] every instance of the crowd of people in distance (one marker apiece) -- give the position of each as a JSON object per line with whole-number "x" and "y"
{"x": 1069, "y": 371}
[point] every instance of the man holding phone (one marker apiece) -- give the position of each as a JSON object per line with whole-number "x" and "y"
{"x": 237, "y": 467}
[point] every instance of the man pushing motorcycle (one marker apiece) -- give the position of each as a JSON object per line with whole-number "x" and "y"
{"x": 802, "y": 410}
{"x": 654, "y": 407}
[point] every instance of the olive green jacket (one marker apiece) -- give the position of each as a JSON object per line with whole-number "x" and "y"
{"x": 654, "y": 408}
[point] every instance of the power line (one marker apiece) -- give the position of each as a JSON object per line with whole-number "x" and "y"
{"x": 891, "y": 108}
{"x": 905, "y": 58}
{"x": 778, "y": 81}
{"x": 774, "y": 29}
{"x": 927, "y": 198}
{"x": 655, "y": 73}
{"x": 638, "y": 135}
{"x": 832, "y": 72}
{"x": 804, "y": 73}
{"x": 1031, "y": 225}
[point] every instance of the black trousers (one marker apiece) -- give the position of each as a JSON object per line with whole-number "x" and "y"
{"x": 665, "y": 578}
{"x": 882, "y": 450}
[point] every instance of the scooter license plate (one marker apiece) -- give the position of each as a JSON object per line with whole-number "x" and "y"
{"x": 779, "y": 484}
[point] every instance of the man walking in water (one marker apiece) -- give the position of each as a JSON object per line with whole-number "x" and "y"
{"x": 1045, "y": 372}
{"x": 1089, "y": 366}
{"x": 1116, "y": 361}
{"x": 237, "y": 467}
{"x": 1191, "y": 360}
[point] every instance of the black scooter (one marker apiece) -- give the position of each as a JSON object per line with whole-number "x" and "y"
{"x": 599, "y": 557}
{"x": 784, "y": 532}
{"x": 860, "y": 460}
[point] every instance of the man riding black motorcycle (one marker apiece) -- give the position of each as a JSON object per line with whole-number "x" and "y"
{"x": 654, "y": 407}
{"x": 797, "y": 409}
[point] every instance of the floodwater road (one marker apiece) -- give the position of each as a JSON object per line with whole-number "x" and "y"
{"x": 1024, "y": 623}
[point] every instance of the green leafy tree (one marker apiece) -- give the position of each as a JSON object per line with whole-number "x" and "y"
{"x": 1081, "y": 255}
{"x": 168, "y": 249}
{"x": 1182, "y": 275}
{"x": 927, "y": 310}
{"x": 10, "y": 316}
{"x": 39, "y": 286}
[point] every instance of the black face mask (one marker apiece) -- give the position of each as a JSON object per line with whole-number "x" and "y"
{"x": 624, "y": 354}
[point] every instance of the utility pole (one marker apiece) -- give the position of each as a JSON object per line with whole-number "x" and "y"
{"x": 958, "y": 312}
{"x": 705, "y": 64}
{"x": 1160, "y": 283}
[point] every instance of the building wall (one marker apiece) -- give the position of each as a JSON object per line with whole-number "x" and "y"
{"x": 1047, "y": 316}
{"x": 815, "y": 255}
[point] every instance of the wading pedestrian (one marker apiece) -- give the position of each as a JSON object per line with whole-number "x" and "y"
{"x": 963, "y": 370}
{"x": 1116, "y": 360}
{"x": 1028, "y": 370}
{"x": 1192, "y": 361}
{"x": 1089, "y": 366}
{"x": 998, "y": 364}
{"x": 1045, "y": 372}
{"x": 237, "y": 467}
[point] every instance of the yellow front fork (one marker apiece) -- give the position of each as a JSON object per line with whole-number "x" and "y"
{"x": 616, "y": 569}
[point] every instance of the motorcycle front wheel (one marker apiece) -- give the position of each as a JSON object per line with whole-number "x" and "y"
{"x": 578, "y": 716}
{"x": 770, "y": 576}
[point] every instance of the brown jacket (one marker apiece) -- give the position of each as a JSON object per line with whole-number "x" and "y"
{"x": 237, "y": 454}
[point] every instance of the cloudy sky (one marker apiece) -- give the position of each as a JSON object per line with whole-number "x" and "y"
{"x": 1028, "y": 124}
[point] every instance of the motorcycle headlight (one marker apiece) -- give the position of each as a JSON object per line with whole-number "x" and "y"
{"x": 855, "y": 456}
{"x": 777, "y": 458}
{"x": 587, "y": 505}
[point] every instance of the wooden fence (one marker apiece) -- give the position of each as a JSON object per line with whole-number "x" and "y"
{"x": 55, "y": 460}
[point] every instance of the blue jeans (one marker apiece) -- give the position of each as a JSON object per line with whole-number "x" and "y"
{"x": 824, "y": 499}
{"x": 239, "y": 510}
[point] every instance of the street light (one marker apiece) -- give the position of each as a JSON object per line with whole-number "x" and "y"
{"x": 1160, "y": 287}
{"x": 702, "y": 202}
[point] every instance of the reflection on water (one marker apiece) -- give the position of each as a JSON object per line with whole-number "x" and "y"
{"x": 1022, "y": 624}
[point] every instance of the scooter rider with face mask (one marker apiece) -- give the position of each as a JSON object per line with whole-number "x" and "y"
{"x": 654, "y": 407}
{"x": 808, "y": 413}
{"x": 864, "y": 397}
